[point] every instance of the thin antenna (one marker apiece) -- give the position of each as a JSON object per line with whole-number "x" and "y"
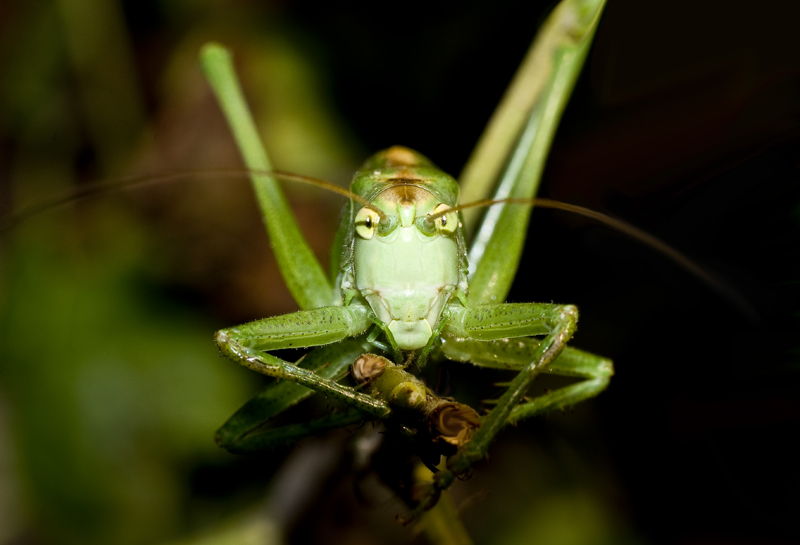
{"x": 137, "y": 181}
{"x": 718, "y": 285}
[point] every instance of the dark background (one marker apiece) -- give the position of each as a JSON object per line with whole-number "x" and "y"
{"x": 684, "y": 123}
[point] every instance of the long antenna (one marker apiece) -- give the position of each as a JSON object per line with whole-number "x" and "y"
{"x": 14, "y": 219}
{"x": 137, "y": 181}
{"x": 724, "y": 289}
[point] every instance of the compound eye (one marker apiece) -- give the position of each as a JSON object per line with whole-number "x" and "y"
{"x": 447, "y": 223}
{"x": 367, "y": 221}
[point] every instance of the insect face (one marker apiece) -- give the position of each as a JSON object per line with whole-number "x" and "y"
{"x": 407, "y": 272}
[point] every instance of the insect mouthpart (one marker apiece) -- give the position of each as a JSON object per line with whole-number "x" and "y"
{"x": 414, "y": 335}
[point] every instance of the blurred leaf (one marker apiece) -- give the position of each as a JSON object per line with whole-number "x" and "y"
{"x": 113, "y": 389}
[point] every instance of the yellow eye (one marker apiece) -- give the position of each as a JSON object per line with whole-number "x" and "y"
{"x": 449, "y": 222}
{"x": 366, "y": 222}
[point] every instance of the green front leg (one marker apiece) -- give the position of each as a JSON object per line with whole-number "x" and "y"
{"x": 249, "y": 429}
{"x": 506, "y": 320}
{"x": 491, "y": 322}
{"x": 247, "y": 344}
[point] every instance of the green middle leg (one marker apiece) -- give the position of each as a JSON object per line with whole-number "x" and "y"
{"x": 516, "y": 353}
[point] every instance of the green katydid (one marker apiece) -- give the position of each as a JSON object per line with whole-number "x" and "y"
{"x": 403, "y": 284}
{"x": 176, "y": 387}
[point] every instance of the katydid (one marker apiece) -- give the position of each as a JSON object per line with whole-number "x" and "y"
{"x": 403, "y": 286}
{"x": 664, "y": 380}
